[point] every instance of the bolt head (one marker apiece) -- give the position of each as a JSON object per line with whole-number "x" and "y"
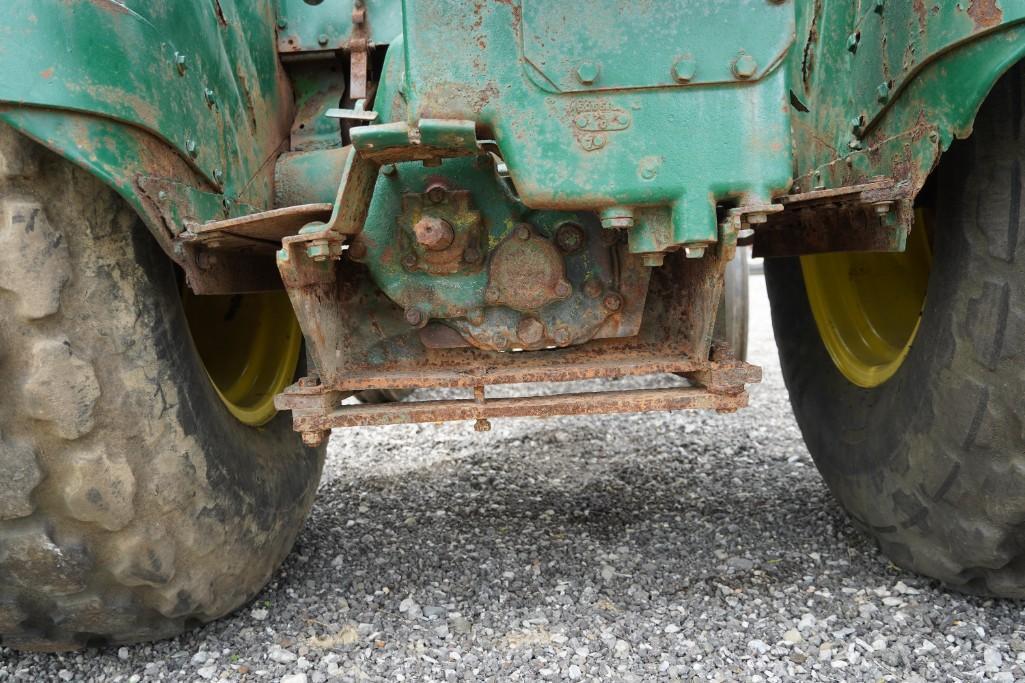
{"x": 191, "y": 147}
{"x": 530, "y": 330}
{"x": 414, "y": 316}
{"x": 653, "y": 260}
{"x": 613, "y": 302}
{"x": 409, "y": 261}
{"x": 684, "y": 70}
{"x": 745, "y": 66}
{"x": 694, "y": 252}
{"x": 318, "y": 252}
{"x": 569, "y": 237}
{"x": 390, "y": 170}
{"x": 883, "y": 93}
{"x": 179, "y": 61}
{"x": 436, "y": 194}
{"x": 587, "y": 73}
{"x": 592, "y": 288}
{"x": 562, "y": 336}
{"x": 563, "y": 289}
{"x": 482, "y": 425}
{"x": 523, "y": 233}
{"x": 433, "y": 233}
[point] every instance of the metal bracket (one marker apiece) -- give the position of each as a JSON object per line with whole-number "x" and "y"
{"x": 715, "y": 386}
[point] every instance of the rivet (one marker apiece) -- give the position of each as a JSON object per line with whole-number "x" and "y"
{"x": 684, "y": 70}
{"x": 322, "y": 39}
{"x": 563, "y": 289}
{"x": 390, "y": 170}
{"x": 491, "y": 294}
{"x": 592, "y": 288}
{"x": 852, "y": 42}
{"x": 191, "y": 147}
{"x": 218, "y": 175}
{"x": 282, "y": 24}
{"x": 587, "y": 73}
{"x": 523, "y": 233}
{"x": 208, "y": 95}
{"x": 179, "y": 61}
{"x": 409, "y": 262}
{"x": 883, "y": 92}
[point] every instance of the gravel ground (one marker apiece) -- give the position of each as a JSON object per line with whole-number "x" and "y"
{"x": 679, "y": 546}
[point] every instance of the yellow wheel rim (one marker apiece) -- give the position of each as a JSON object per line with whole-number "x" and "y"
{"x": 868, "y": 306}
{"x": 249, "y": 345}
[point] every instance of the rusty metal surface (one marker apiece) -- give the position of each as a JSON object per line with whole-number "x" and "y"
{"x": 265, "y": 229}
{"x": 611, "y": 402}
{"x": 449, "y": 368}
{"x": 873, "y": 216}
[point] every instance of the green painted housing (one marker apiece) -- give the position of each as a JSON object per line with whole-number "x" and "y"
{"x": 654, "y": 111}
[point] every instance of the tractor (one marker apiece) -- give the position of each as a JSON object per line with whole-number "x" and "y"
{"x": 220, "y": 219}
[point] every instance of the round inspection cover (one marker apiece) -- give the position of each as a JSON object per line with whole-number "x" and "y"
{"x": 527, "y": 272}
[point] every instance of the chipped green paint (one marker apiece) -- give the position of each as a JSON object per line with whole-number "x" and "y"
{"x": 650, "y": 112}
{"x": 188, "y": 91}
{"x": 675, "y": 150}
{"x": 912, "y": 74}
{"x": 324, "y": 26}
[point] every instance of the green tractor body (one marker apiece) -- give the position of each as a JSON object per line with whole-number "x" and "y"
{"x": 466, "y": 194}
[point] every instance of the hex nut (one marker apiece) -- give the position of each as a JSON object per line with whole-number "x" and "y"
{"x": 530, "y": 330}
{"x": 569, "y": 237}
{"x": 587, "y": 73}
{"x": 684, "y": 69}
{"x": 745, "y": 66}
{"x": 414, "y": 316}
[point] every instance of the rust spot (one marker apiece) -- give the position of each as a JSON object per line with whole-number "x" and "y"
{"x": 985, "y": 13}
{"x": 921, "y": 13}
{"x": 47, "y": 74}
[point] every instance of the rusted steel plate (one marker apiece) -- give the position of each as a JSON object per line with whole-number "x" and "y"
{"x": 637, "y": 401}
{"x": 267, "y": 226}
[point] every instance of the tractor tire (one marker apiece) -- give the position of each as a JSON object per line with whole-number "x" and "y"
{"x": 132, "y": 504}
{"x": 731, "y": 321}
{"x": 931, "y": 463}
